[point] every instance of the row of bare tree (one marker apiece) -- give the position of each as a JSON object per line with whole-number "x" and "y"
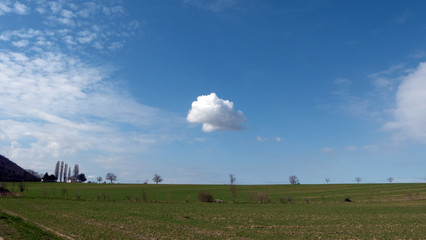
{"x": 358, "y": 180}
{"x": 292, "y": 179}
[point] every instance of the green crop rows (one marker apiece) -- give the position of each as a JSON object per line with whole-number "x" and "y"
{"x": 134, "y": 211}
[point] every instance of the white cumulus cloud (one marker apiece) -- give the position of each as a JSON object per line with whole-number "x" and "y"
{"x": 410, "y": 111}
{"x": 215, "y": 114}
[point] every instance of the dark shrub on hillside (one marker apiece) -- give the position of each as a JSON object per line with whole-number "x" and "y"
{"x": 4, "y": 191}
{"x": 205, "y": 197}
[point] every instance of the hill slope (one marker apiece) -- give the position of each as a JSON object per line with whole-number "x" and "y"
{"x": 11, "y": 172}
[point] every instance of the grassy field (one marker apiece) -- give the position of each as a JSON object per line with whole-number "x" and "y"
{"x": 135, "y": 211}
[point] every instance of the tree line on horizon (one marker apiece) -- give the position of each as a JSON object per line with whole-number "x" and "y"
{"x": 112, "y": 177}
{"x": 63, "y": 174}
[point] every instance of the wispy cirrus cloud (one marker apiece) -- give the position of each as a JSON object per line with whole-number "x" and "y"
{"x": 212, "y": 5}
{"x": 328, "y": 150}
{"x": 72, "y": 27}
{"x": 261, "y": 139}
{"x": 352, "y": 104}
{"x": 13, "y": 7}
{"x": 373, "y": 103}
{"x": 67, "y": 106}
{"x": 57, "y": 104}
{"x": 265, "y": 139}
{"x": 64, "y": 85}
{"x": 387, "y": 79}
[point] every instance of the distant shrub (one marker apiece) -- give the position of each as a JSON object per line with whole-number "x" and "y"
{"x": 370, "y": 196}
{"x": 413, "y": 196}
{"x": 205, "y": 197}
{"x": 144, "y": 196}
{"x": 263, "y": 198}
{"x": 252, "y": 196}
{"x": 64, "y": 192}
{"x": 105, "y": 196}
{"x": 284, "y": 200}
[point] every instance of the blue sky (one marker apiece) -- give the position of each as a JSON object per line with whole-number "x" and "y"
{"x": 196, "y": 90}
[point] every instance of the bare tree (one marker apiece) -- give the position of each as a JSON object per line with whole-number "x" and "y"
{"x": 111, "y": 177}
{"x": 293, "y": 180}
{"x": 232, "y": 186}
{"x": 99, "y": 179}
{"x": 61, "y": 171}
{"x": 390, "y": 179}
{"x": 327, "y": 180}
{"x": 157, "y": 178}
{"x": 57, "y": 169}
{"x": 232, "y": 179}
{"x": 358, "y": 179}
{"x": 65, "y": 172}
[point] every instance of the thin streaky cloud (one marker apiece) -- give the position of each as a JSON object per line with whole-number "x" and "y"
{"x": 212, "y": 5}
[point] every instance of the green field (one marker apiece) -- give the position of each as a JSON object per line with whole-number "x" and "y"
{"x": 136, "y": 211}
